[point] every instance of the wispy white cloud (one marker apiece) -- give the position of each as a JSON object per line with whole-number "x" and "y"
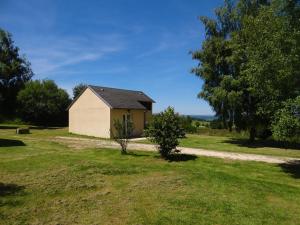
{"x": 27, "y": 14}
{"x": 51, "y": 55}
{"x": 159, "y": 48}
{"x": 49, "y": 47}
{"x": 166, "y": 41}
{"x": 116, "y": 70}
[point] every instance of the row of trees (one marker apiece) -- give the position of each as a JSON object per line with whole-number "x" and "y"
{"x": 34, "y": 101}
{"x": 250, "y": 64}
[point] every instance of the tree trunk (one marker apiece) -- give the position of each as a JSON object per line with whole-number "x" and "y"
{"x": 252, "y": 134}
{"x": 230, "y": 128}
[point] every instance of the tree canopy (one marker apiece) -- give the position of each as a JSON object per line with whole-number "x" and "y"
{"x": 250, "y": 61}
{"x": 15, "y": 71}
{"x": 43, "y": 103}
{"x": 78, "y": 89}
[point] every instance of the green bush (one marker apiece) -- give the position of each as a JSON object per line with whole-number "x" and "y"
{"x": 197, "y": 124}
{"x": 286, "y": 125}
{"x": 165, "y": 129}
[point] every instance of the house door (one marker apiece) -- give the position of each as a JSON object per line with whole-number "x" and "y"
{"x": 126, "y": 119}
{"x": 145, "y": 122}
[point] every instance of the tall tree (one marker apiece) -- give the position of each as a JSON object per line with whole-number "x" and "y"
{"x": 15, "y": 71}
{"x": 267, "y": 45}
{"x": 248, "y": 60}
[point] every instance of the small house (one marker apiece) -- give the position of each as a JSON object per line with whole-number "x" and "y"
{"x": 95, "y": 109}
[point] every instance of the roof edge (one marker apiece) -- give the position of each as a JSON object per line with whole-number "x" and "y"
{"x": 101, "y": 98}
{"x": 91, "y": 88}
{"x": 75, "y": 99}
{"x": 95, "y": 93}
{"x": 122, "y": 89}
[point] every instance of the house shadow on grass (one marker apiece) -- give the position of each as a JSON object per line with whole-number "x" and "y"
{"x": 10, "y": 143}
{"x": 262, "y": 143}
{"x": 292, "y": 168}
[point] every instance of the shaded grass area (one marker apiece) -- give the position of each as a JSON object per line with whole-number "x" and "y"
{"x": 10, "y": 142}
{"x": 269, "y": 143}
{"x": 233, "y": 144}
{"x": 40, "y": 132}
{"x": 43, "y": 182}
{"x": 9, "y": 189}
{"x": 292, "y": 168}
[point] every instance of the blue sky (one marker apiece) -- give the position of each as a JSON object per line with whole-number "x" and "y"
{"x": 131, "y": 44}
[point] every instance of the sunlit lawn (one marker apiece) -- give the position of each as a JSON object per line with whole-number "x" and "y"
{"x": 43, "y": 182}
{"x": 237, "y": 144}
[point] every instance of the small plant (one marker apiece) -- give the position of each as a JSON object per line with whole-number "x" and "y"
{"x": 165, "y": 129}
{"x": 121, "y": 133}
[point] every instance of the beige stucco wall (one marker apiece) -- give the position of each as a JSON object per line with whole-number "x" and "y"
{"x": 137, "y": 116}
{"x": 89, "y": 116}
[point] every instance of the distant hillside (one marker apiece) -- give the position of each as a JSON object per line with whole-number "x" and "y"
{"x": 203, "y": 117}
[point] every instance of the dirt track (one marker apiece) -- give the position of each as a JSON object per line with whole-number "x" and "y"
{"x": 79, "y": 143}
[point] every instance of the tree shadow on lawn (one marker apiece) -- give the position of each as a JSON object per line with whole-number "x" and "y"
{"x": 13, "y": 127}
{"x": 133, "y": 154}
{"x": 10, "y": 189}
{"x": 45, "y": 128}
{"x": 178, "y": 157}
{"x": 175, "y": 157}
{"x": 10, "y": 143}
{"x": 292, "y": 168}
{"x": 262, "y": 143}
{"x": 8, "y": 127}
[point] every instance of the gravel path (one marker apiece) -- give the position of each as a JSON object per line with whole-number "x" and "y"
{"x": 79, "y": 143}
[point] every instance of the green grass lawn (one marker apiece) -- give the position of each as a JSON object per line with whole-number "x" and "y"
{"x": 234, "y": 143}
{"x": 43, "y": 182}
{"x": 237, "y": 144}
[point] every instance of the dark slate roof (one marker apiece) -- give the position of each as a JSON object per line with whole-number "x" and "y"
{"x": 120, "y": 98}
